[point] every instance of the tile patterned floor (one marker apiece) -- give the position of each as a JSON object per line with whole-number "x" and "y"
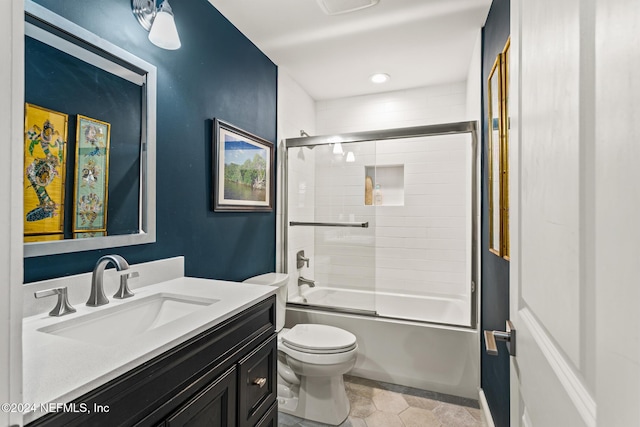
{"x": 379, "y": 404}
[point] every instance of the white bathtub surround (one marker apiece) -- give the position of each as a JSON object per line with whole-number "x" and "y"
{"x": 450, "y": 311}
{"x": 429, "y": 357}
{"x": 60, "y": 369}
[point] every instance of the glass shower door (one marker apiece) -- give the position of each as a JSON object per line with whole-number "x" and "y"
{"x": 330, "y": 220}
{"x": 424, "y": 228}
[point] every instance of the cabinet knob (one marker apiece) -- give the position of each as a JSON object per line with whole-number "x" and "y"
{"x": 260, "y": 382}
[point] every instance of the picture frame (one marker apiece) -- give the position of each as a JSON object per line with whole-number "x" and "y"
{"x": 498, "y": 154}
{"x": 45, "y": 158}
{"x": 494, "y": 125}
{"x": 242, "y": 172}
{"x": 91, "y": 185}
{"x": 504, "y": 103}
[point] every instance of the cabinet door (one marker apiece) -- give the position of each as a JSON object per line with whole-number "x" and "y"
{"x": 270, "y": 419}
{"x": 257, "y": 383}
{"x": 215, "y": 406}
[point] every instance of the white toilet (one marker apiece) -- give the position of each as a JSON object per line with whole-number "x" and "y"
{"x": 312, "y": 360}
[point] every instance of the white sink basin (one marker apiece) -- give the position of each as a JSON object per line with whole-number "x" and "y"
{"x": 114, "y": 325}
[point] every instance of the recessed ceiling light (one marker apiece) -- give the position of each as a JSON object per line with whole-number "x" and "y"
{"x": 380, "y": 78}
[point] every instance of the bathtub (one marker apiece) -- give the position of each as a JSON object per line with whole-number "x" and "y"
{"x": 450, "y": 311}
{"x": 429, "y": 356}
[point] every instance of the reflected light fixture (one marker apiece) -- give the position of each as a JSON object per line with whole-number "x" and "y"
{"x": 159, "y": 21}
{"x": 337, "y": 144}
{"x": 351, "y": 157}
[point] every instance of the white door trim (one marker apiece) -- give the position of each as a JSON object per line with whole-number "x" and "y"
{"x": 572, "y": 385}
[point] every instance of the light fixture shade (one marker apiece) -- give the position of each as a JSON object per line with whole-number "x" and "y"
{"x": 337, "y": 148}
{"x": 163, "y": 32}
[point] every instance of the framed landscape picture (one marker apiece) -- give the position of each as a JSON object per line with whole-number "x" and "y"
{"x": 45, "y": 142}
{"x": 242, "y": 172}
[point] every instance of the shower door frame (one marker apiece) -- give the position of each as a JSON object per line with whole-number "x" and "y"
{"x": 454, "y": 128}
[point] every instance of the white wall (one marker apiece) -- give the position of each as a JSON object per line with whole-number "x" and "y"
{"x": 296, "y": 112}
{"x": 474, "y": 82}
{"x": 414, "y": 107}
{"x": 11, "y": 270}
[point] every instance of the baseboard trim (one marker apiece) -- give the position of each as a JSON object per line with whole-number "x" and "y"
{"x": 484, "y": 407}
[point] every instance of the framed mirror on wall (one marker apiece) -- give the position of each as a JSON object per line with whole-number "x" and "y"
{"x": 498, "y": 147}
{"x": 90, "y": 130}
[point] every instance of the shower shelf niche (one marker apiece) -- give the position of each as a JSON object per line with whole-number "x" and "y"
{"x": 391, "y": 181}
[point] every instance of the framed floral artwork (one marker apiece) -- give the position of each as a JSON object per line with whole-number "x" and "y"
{"x": 91, "y": 188}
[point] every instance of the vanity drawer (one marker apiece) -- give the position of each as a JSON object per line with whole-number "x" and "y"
{"x": 257, "y": 382}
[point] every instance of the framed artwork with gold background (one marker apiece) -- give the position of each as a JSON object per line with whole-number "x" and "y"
{"x": 498, "y": 147}
{"x": 45, "y": 145}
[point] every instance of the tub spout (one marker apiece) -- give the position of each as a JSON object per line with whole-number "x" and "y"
{"x": 303, "y": 281}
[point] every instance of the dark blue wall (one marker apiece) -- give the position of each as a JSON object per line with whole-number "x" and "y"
{"x": 218, "y": 72}
{"x": 495, "y": 270}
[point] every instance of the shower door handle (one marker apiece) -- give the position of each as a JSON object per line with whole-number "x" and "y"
{"x": 509, "y": 336}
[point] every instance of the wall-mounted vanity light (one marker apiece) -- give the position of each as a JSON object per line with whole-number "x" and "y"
{"x": 158, "y": 20}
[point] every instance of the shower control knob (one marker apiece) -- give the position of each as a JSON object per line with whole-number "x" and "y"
{"x": 301, "y": 259}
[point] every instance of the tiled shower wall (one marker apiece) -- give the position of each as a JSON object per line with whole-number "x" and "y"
{"x": 418, "y": 243}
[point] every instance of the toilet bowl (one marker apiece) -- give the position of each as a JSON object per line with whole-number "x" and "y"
{"x": 312, "y": 360}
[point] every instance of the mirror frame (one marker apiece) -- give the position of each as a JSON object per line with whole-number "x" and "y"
{"x": 127, "y": 66}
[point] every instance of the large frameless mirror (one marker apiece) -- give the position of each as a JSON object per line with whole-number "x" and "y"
{"x": 90, "y": 124}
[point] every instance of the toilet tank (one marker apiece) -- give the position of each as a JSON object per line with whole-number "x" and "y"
{"x": 279, "y": 280}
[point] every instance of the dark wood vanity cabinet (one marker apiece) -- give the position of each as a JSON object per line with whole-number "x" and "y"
{"x": 225, "y": 376}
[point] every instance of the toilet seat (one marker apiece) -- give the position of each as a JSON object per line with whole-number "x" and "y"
{"x": 318, "y": 339}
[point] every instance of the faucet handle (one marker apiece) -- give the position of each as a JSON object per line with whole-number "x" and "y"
{"x": 124, "y": 291}
{"x": 62, "y": 306}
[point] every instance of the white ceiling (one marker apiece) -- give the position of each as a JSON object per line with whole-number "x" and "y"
{"x": 417, "y": 42}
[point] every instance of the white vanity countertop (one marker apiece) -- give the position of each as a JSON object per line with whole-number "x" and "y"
{"x": 59, "y": 369}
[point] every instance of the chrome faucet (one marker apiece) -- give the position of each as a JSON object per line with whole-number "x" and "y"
{"x": 97, "y": 297}
{"x": 303, "y": 281}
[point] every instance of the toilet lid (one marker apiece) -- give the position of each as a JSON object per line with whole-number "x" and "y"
{"x": 311, "y": 338}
